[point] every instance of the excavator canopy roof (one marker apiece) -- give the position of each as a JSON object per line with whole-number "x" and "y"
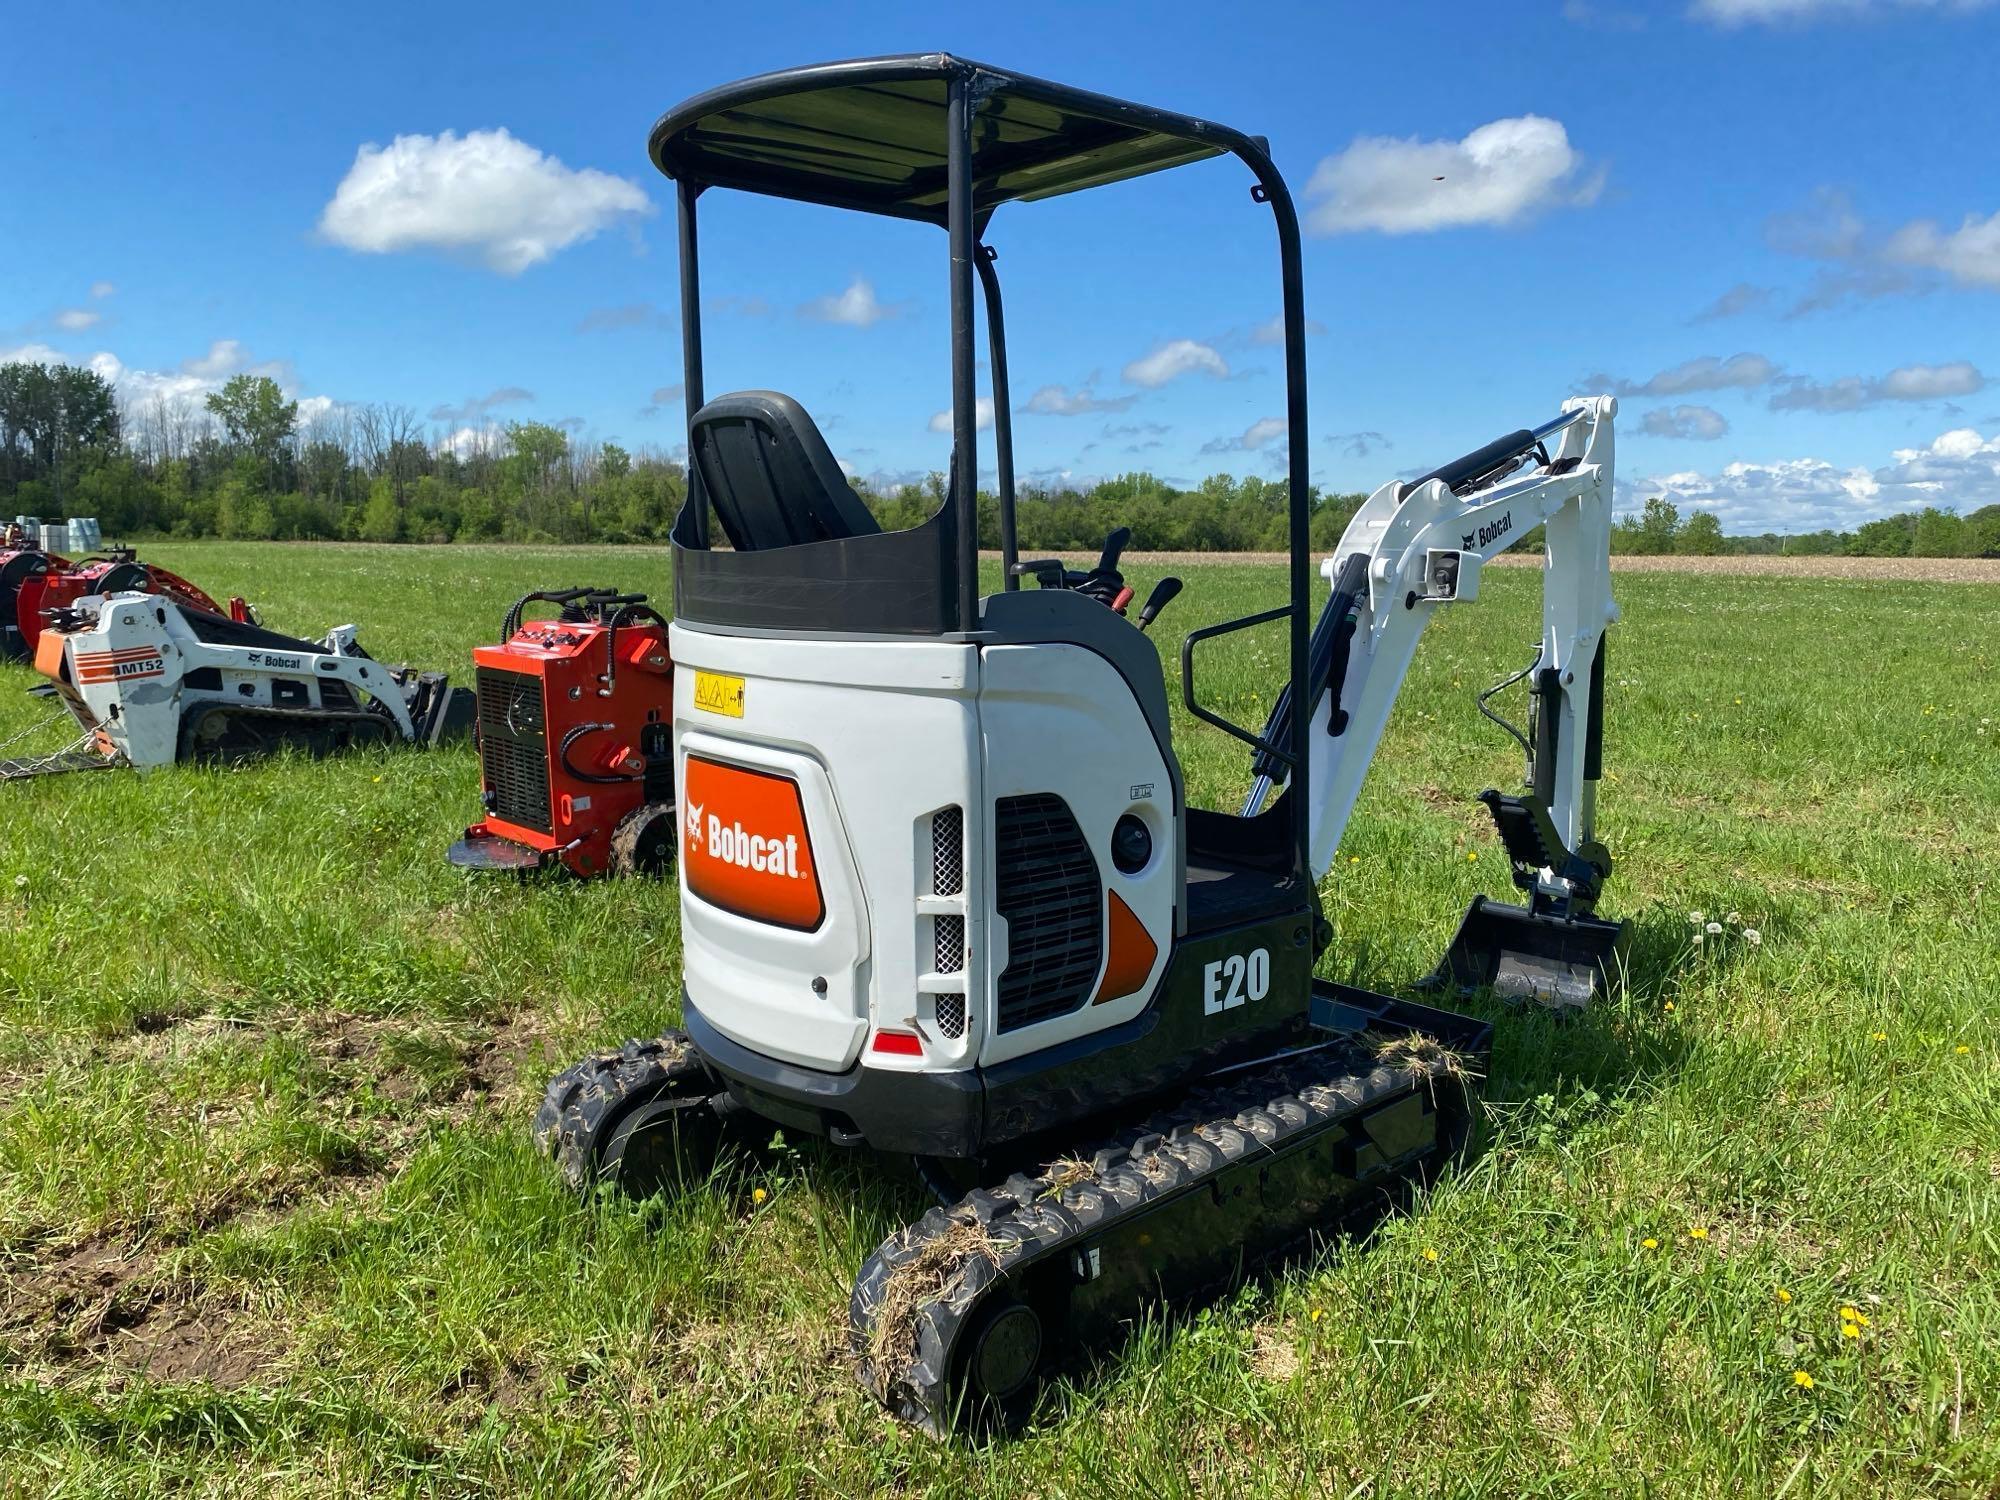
{"x": 871, "y": 135}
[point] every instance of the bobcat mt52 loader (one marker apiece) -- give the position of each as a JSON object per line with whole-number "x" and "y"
{"x": 941, "y": 891}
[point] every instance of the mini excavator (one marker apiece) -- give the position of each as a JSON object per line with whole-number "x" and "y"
{"x": 942, "y": 894}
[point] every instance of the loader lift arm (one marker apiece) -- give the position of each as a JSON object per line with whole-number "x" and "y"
{"x": 1411, "y": 549}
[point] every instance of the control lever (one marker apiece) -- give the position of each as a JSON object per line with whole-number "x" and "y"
{"x": 1114, "y": 547}
{"x": 1049, "y": 572}
{"x": 1164, "y": 593}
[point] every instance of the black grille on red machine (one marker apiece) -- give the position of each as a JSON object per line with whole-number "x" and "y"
{"x": 513, "y": 746}
{"x": 1047, "y": 889}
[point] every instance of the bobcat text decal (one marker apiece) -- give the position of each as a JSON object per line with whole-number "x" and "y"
{"x": 1493, "y": 533}
{"x": 747, "y": 848}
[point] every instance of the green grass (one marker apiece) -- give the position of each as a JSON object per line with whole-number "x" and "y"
{"x": 271, "y": 1060}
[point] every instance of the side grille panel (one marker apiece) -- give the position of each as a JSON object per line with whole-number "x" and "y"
{"x": 949, "y": 956}
{"x": 513, "y": 746}
{"x": 1048, "y": 890}
{"x": 948, "y": 851}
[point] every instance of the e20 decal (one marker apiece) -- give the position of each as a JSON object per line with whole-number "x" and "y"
{"x": 1228, "y": 982}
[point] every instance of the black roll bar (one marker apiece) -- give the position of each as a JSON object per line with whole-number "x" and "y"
{"x": 1003, "y": 416}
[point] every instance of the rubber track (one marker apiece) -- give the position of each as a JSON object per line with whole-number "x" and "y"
{"x": 307, "y": 721}
{"x": 1027, "y": 1219}
{"x": 584, "y": 1103}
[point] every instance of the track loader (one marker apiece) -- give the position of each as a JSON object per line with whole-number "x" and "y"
{"x": 942, "y": 894}
{"x": 150, "y": 681}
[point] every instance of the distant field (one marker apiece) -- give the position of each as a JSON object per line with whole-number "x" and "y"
{"x": 1883, "y": 569}
{"x": 270, "y": 1223}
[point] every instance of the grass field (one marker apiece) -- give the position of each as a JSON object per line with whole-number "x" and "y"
{"x": 270, "y": 1222}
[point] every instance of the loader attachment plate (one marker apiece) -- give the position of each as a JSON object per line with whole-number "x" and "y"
{"x": 954, "y": 1319}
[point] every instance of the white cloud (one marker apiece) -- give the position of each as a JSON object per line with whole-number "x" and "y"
{"x": 1774, "y": 12}
{"x": 1958, "y": 470}
{"x": 76, "y": 319}
{"x": 102, "y": 289}
{"x": 1853, "y": 392}
{"x": 35, "y": 354}
{"x": 857, "y": 307}
{"x": 1273, "y": 331}
{"x": 483, "y": 196}
{"x": 982, "y": 416}
{"x": 1258, "y": 434}
{"x": 1060, "y": 401}
{"x": 1359, "y": 444}
{"x": 1739, "y": 299}
{"x": 1695, "y": 423}
{"x": 1969, "y": 254}
{"x": 467, "y": 441}
{"x": 1501, "y": 173}
{"x": 313, "y": 408}
{"x": 1738, "y": 372}
{"x": 1173, "y": 359}
{"x": 474, "y": 407}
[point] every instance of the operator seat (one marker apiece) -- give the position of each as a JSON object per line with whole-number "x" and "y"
{"x": 770, "y": 475}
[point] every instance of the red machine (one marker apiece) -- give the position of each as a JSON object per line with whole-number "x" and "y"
{"x": 576, "y": 740}
{"x": 33, "y": 583}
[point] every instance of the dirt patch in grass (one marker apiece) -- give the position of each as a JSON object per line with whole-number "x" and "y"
{"x": 108, "y": 1308}
{"x": 223, "y": 1346}
{"x": 1273, "y": 1355}
{"x": 500, "y": 1066}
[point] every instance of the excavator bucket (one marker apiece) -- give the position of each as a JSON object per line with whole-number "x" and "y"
{"x": 1563, "y": 963}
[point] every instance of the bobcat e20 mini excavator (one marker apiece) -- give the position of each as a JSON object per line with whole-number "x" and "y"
{"x": 941, "y": 891}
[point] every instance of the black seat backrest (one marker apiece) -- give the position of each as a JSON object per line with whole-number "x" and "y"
{"x": 770, "y": 475}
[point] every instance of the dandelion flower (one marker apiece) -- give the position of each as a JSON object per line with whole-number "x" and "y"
{"x": 1850, "y": 1330}
{"x": 1698, "y": 1232}
{"x": 1471, "y": 854}
{"x": 1713, "y": 929}
{"x": 1697, "y": 918}
{"x": 1802, "y": 1380}
{"x": 1430, "y": 1254}
{"x": 1878, "y": 1036}
{"x": 758, "y": 1195}
{"x": 1318, "y": 1313}
{"x": 1650, "y": 1244}
{"x": 1961, "y": 1049}
{"x": 1784, "y": 1297}
{"x": 1753, "y": 937}
{"x": 1670, "y": 1005}
{"x": 1854, "y": 1315}
{"x": 1699, "y": 940}
{"x": 1354, "y": 859}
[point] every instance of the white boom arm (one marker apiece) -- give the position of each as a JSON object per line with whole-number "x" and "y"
{"x": 1424, "y": 548}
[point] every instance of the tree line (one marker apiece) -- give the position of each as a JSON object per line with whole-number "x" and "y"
{"x": 242, "y": 463}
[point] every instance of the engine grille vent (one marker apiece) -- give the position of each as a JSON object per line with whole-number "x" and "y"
{"x": 948, "y": 851}
{"x": 950, "y": 945}
{"x": 513, "y": 746}
{"x": 951, "y": 1016}
{"x": 1047, "y": 889}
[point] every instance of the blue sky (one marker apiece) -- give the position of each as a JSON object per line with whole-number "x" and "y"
{"x": 1773, "y": 226}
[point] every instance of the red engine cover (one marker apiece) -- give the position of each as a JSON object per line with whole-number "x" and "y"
{"x": 560, "y": 746}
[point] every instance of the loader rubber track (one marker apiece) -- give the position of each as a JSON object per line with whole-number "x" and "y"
{"x": 1230, "y": 1176}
